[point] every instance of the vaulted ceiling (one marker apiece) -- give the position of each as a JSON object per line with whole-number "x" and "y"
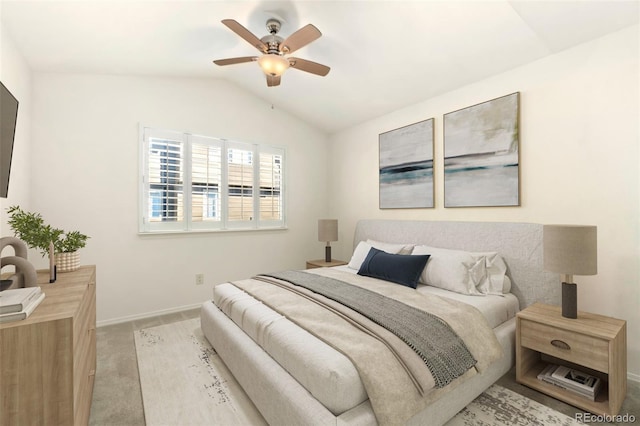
{"x": 383, "y": 55}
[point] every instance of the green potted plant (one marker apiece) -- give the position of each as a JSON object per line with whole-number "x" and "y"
{"x": 31, "y": 228}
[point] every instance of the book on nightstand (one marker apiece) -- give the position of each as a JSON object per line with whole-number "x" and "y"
{"x": 29, "y": 307}
{"x": 575, "y": 381}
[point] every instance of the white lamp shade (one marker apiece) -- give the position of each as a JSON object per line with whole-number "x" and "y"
{"x": 328, "y": 230}
{"x": 570, "y": 249}
{"x": 273, "y": 65}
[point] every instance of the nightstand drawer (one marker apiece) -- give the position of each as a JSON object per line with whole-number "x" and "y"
{"x": 574, "y": 347}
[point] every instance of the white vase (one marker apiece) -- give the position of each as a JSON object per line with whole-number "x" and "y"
{"x": 67, "y": 262}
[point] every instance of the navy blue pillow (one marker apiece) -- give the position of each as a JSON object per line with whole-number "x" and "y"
{"x": 397, "y": 268}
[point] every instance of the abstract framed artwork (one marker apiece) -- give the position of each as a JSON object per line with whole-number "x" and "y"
{"x": 481, "y": 154}
{"x": 406, "y": 167}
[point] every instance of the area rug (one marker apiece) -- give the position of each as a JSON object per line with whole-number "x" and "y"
{"x": 184, "y": 382}
{"x": 499, "y": 406}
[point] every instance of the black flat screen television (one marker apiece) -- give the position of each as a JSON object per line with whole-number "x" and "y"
{"x": 8, "y": 117}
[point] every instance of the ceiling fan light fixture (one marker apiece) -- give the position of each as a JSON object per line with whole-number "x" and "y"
{"x": 273, "y": 49}
{"x": 273, "y": 64}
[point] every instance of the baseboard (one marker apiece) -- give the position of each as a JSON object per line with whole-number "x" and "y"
{"x": 147, "y": 315}
{"x": 633, "y": 377}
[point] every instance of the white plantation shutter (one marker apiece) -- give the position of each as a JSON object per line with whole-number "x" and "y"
{"x": 194, "y": 183}
{"x": 206, "y": 182}
{"x": 271, "y": 197}
{"x": 163, "y": 192}
{"x": 240, "y": 183}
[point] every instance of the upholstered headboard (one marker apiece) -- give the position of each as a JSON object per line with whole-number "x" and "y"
{"x": 520, "y": 244}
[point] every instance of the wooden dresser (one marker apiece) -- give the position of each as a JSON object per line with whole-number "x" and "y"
{"x": 48, "y": 361}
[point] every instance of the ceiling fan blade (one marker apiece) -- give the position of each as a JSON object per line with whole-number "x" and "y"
{"x": 245, "y": 34}
{"x": 273, "y": 80}
{"x": 232, "y": 61}
{"x": 309, "y": 66}
{"x": 300, "y": 38}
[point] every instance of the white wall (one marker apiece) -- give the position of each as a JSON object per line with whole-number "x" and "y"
{"x": 85, "y": 177}
{"x": 579, "y": 164}
{"x": 16, "y": 76}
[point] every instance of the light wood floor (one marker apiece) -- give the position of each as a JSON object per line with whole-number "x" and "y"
{"x": 117, "y": 399}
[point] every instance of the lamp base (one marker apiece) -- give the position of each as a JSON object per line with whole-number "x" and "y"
{"x": 327, "y": 254}
{"x": 569, "y": 300}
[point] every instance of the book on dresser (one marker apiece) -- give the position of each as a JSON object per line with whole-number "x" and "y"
{"x": 28, "y": 307}
{"x": 17, "y": 299}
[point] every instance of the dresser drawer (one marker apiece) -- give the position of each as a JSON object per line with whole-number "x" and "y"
{"x": 574, "y": 347}
{"x": 84, "y": 326}
{"x": 84, "y": 377}
{"x": 86, "y": 306}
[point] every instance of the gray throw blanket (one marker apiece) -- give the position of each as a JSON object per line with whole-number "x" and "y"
{"x": 441, "y": 349}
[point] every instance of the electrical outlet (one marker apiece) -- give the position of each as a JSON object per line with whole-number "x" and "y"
{"x": 199, "y": 279}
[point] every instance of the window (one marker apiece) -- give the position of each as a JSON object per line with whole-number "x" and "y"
{"x": 191, "y": 183}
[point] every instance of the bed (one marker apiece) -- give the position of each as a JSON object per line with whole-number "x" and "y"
{"x": 299, "y": 376}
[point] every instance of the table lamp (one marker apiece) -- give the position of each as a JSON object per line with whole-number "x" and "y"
{"x": 327, "y": 231}
{"x": 570, "y": 250}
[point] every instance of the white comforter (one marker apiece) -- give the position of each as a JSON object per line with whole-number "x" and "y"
{"x": 256, "y": 324}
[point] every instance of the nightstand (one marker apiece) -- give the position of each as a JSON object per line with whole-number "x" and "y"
{"x": 321, "y": 263}
{"x": 591, "y": 343}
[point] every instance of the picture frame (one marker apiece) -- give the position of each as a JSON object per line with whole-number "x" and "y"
{"x": 406, "y": 166}
{"x": 482, "y": 154}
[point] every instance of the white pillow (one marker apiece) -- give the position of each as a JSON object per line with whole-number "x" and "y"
{"x": 362, "y": 250}
{"x": 453, "y": 270}
{"x": 497, "y": 281}
{"x": 392, "y": 247}
{"x": 506, "y": 285}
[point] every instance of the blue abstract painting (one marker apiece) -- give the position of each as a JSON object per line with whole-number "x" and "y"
{"x": 481, "y": 154}
{"x": 406, "y": 166}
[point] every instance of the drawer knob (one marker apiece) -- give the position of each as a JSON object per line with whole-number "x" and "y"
{"x": 560, "y": 344}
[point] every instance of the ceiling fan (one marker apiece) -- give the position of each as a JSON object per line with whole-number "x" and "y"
{"x": 274, "y": 48}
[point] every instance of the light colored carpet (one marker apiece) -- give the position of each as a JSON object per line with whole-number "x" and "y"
{"x": 184, "y": 382}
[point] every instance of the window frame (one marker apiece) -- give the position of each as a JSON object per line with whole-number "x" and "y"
{"x": 187, "y": 224}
